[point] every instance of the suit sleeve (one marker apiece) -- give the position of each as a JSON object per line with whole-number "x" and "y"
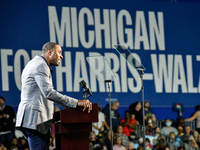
{"x": 44, "y": 82}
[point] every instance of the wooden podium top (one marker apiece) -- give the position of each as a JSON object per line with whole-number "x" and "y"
{"x": 76, "y": 115}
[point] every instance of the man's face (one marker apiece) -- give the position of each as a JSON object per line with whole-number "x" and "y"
{"x": 14, "y": 142}
{"x": 147, "y": 105}
{"x": 187, "y": 130}
{"x": 120, "y": 129}
{"x": 127, "y": 115}
{"x": 168, "y": 123}
{"x": 56, "y": 56}
{"x": 2, "y": 103}
{"x": 115, "y": 106}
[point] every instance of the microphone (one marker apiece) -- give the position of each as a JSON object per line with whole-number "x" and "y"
{"x": 87, "y": 90}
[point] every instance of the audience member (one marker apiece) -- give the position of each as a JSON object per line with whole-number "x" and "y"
{"x": 124, "y": 138}
{"x": 180, "y": 122}
{"x": 180, "y": 131}
{"x": 197, "y": 117}
{"x": 196, "y": 135}
{"x": 185, "y": 137}
{"x": 94, "y": 141}
{"x": 148, "y": 112}
{"x": 7, "y": 122}
{"x": 193, "y": 142}
{"x": 118, "y": 144}
{"x": 150, "y": 126}
{"x": 23, "y": 144}
{"x": 131, "y": 146}
{"x": 98, "y": 127}
{"x": 157, "y": 132}
{"x": 172, "y": 137}
{"x": 126, "y": 128}
{"x": 14, "y": 143}
{"x": 168, "y": 128}
{"x": 148, "y": 144}
{"x": 128, "y": 124}
{"x": 181, "y": 148}
{"x": 155, "y": 143}
{"x": 135, "y": 110}
{"x": 161, "y": 144}
{"x": 101, "y": 140}
{"x": 115, "y": 115}
{"x": 108, "y": 139}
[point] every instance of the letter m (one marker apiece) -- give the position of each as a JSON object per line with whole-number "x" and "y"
{"x": 61, "y": 30}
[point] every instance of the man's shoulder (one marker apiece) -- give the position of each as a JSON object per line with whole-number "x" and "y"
{"x": 101, "y": 114}
{"x": 106, "y": 108}
{"x": 164, "y": 128}
{"x": 173, "y": 128}
{"x": 35, "y": 62}
{"x": 124, "y": 135}
{"x": 8, "y": 107}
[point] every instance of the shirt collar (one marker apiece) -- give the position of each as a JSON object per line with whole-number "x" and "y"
{"x": 47, "y": 64}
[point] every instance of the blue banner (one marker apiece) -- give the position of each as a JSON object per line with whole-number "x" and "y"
{"x": 163, "y": 36}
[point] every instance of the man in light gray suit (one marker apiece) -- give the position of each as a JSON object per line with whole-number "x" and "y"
{"x": 35, "y": 111}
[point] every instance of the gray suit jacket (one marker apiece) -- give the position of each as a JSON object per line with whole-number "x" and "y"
{"x": 36, "y": 108}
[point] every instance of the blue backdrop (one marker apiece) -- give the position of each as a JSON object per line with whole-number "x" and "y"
{"x": 163, "y": 35}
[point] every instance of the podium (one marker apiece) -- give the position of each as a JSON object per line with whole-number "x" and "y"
{"x": 72, "y": 127}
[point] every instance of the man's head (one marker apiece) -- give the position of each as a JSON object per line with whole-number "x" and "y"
{"x": 52, "y": 52}
{"x": 127, "y": 114}
{"x": 2, "y": 101}
{"x": 14, "y": 141}
{"x": 146, "y": 104}
{"x": 187, "y": 129}
{"x": 115, "y": 105}
{"x": 180, "y": 120}
{"x": 120, "y": 129}
{"x": 168, "y": 122}
{"x": 99, "y": 109}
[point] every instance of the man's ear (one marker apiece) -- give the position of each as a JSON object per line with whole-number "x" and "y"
{"x": 49, "y": 51}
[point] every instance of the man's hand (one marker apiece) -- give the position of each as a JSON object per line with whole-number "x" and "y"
{"x": 5, "y": 116}
{"x": 86, "y": 105}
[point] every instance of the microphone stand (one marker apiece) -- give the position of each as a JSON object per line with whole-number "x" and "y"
{"x": 111, "y": 134}
{"x": 84, "y": 95}
{"x": 143, "y": 126}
